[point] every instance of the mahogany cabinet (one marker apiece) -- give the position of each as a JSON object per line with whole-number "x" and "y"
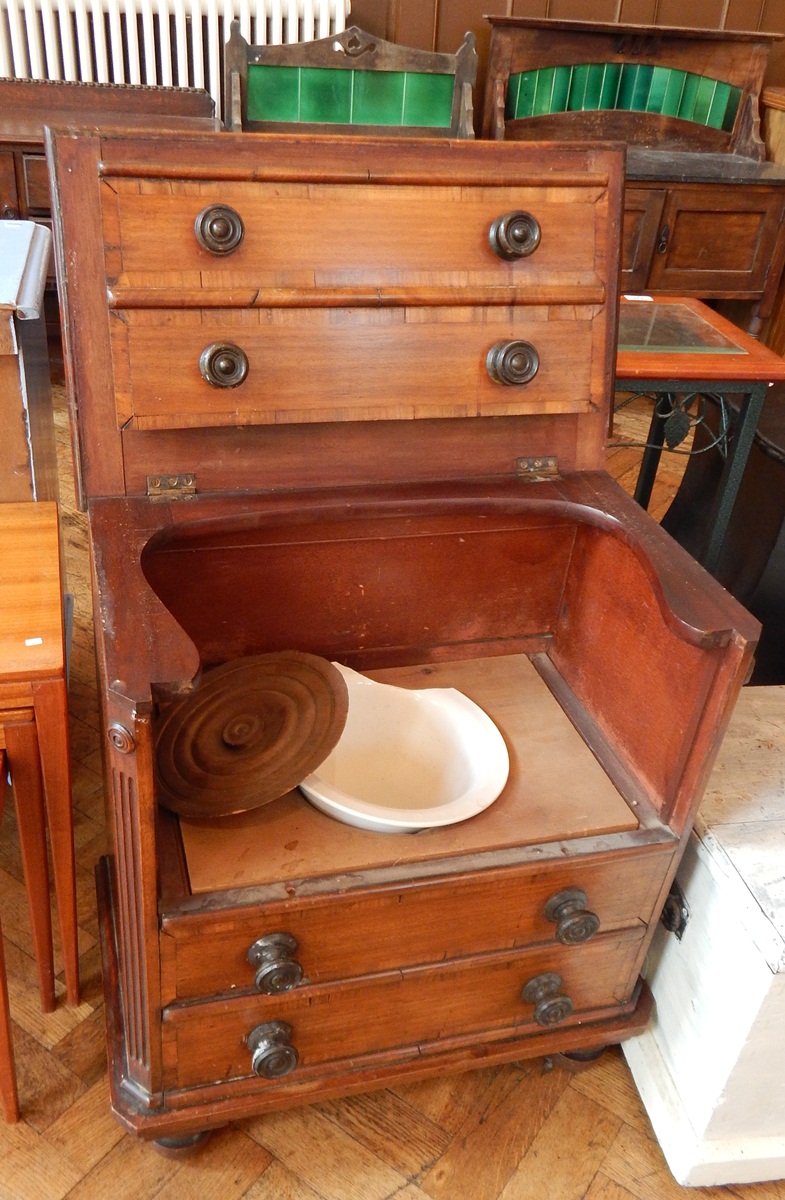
{"x": 703, "y": 210}
{"x": 700, "y": 237}
{"x": 378, "y": 440}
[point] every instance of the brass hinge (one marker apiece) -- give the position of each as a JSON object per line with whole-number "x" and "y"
{"x": 537, "y": 468}
{"x": 171, "y": 487}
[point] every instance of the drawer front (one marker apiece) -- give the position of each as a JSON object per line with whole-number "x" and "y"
{"x": 474, "y": 999}
{"x": 296, "y": 365}
{"x": 320, "y": 235}
{"x": 365, "y": 931}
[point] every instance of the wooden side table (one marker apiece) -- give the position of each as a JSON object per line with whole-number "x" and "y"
{"x": 677, "y": 349}
{"x": 34, "y": 726}
{"x": 9, "y": 1097}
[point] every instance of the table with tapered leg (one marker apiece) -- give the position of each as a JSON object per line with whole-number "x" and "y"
{"x": 34, "y": 726}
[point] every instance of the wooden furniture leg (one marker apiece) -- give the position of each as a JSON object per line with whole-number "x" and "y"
{"x": 22, "y": 749}
{"x": 8, "y": 1094}
{"x": 50, "y": 701}
{"x": 9, "y": 1097}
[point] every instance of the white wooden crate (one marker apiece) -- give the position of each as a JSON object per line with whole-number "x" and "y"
{"x": 711, "y": 1067}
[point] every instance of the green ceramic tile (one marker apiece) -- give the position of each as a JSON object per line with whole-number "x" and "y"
{"x": 640, "y": 92}
{"x": 580, "y": 77}
{"x": 520, "y": 95}
{"x": 562, "y": 81}
{"x": 719, "y": 105}
{"x": 704, "y": 99}
{"x": 326, "y": 95}
{"x": 528, "y": 91}
{"x": 657, "y": 89}
{"x": 593, "y": 92}
{"x": 629, "y": 74}
{"x": 732, "y": 108}
{"x": 544, "y": 92}
{"x": 428, "y": 100}
{"x": 378, "y": 98}
{"x": 673, "y": 92}
{"x": 628, "y": 87}
{"x": 609, "y": 93}
{"x": 688, "y": 97}
{"x": 273, "y": 93}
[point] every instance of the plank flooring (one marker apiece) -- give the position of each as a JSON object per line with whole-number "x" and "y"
{"x": 519, "y": 1132}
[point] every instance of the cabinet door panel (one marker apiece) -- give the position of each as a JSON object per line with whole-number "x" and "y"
{"x": 719, "y": 241}
{"x": 642, "y": 217}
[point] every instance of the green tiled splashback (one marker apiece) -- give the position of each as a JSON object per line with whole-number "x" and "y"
{"x": 629, "y": 87}
{"x": 345, "y": 97}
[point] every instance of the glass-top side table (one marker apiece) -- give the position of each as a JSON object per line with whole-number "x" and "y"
{"x": 677, "y": 350}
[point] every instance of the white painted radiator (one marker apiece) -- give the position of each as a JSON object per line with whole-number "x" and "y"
{"x": 168, "y": 42}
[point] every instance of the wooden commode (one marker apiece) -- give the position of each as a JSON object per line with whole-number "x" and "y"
{"x": 350, "y": 397}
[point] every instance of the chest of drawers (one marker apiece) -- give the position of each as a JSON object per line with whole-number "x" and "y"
{"x": 350, "y": 397}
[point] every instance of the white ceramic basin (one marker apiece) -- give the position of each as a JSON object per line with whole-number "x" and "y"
{"x": 409, "y": 760}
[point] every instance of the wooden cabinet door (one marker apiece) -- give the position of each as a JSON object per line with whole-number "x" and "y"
{"x": 717, "y": 240}
{"x": 642, "y": 221}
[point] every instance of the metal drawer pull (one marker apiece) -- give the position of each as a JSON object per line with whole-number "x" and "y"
{"x": 219, "y": 229}
{"x": 277, "y": 970}
{"x": 574, "y": 923}
{"x": 543, "y": 992}
{"x": 662, "y": 244}
{"x": 223, "y": 365}
{"x": 512, "y": 363}
{"x": 515, "y": 235}
{"x": 272, "y": 1054}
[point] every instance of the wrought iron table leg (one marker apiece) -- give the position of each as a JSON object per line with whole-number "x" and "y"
{"x": 731, "y": 475}
{"x": 653, "y": 452}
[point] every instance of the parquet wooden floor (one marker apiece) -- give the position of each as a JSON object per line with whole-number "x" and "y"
{"x": 519, "y": 1132}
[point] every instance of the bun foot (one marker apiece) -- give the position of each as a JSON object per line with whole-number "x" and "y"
{"x": 577, "y": 1060}
{"x": 178, "y": 1147}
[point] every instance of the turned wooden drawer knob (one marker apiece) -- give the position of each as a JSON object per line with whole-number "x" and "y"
{"x": 276, "y": 968}
{"x": 512, "y": 363}
{"x": 574, "y": 923}
{"x": 219, "y": 229}
{"x": 223, "y": 365}
{"x": 272, "y": 1053}
{"x": 515, "y": 235}
{"x": 543, "y": 992}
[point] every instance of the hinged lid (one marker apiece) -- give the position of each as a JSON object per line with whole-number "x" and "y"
{"x": 254, "y": 729}
{"x": 273, "y": 311}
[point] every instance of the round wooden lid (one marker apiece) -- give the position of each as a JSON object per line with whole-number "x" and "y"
{"x": 255, "y": 727}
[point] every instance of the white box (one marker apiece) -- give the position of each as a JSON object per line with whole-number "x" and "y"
{"x": 711, "y": 1067}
